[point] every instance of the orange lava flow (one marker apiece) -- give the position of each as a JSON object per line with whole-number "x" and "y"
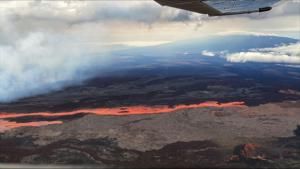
{"x": 6, "y": 125}
{"x": 119, "y": 111}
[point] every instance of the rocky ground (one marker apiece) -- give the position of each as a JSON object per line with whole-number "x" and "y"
{"x": 259, "y": 136}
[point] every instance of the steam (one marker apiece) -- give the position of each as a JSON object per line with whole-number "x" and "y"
{"x": 40, "y": 63}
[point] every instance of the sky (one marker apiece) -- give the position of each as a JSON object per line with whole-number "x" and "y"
{"x": 47, "y": 45}
{"x": 138, "y": 23}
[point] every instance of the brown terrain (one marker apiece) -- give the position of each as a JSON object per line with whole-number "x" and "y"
{"x": 212, "y": 116}
{"x": 190, "y": 137}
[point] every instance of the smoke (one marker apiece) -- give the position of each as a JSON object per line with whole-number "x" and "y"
{"x": 40, "y": 63}
{"x": 46, "y": 46}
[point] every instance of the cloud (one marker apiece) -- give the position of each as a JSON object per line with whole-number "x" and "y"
{"x": 207, "y": 53}
{"x": 77, "y": 12}
{"x": 291, "y": 49}
{"x": 288, "y": 54}
{"x": 283, "y": 8}
{"x": 123, "y": 20}
{"x": 128, "y": 19}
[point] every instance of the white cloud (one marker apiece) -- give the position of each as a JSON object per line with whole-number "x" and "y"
{"x": 226, "y": 33}
{"x": 291, "y": 49}
{"x": 288, "y": 54}
{"x": 292, "y": 66}
{"x": 76, "y": 12}
{"x": 207, "y": 53}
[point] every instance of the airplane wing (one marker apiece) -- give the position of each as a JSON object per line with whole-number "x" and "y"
{"x": 221, "y": 7}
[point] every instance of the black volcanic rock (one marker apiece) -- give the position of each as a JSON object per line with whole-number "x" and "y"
{"x": 105, "y": 152}
{"x": 297, "y": 131}
{"x": 38, "y": 118}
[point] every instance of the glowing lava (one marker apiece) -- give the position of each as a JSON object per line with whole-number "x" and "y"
{"x": 6, "y": 125}
{"x": 119, "y": 111}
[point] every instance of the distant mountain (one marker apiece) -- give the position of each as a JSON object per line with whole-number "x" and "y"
{"x": 232, "y": 43}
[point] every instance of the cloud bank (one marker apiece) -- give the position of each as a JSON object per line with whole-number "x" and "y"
{"x": 288, "y": 54}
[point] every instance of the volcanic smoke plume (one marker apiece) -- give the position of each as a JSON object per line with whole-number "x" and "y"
{"x": 40, "y": 63}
